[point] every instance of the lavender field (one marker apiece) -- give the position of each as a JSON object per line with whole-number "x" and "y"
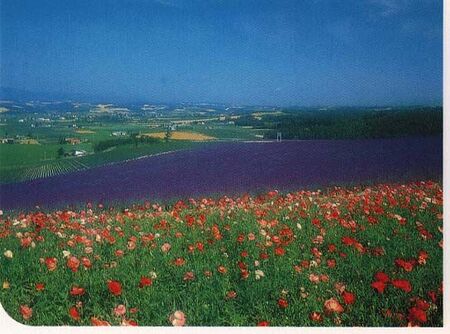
{"x": 233, "y": 168}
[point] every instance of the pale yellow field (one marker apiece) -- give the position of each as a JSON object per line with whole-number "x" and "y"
{"x": 180, "y": 135}
{"x": 84, "y": 131}
{"x": 29, "y": 142}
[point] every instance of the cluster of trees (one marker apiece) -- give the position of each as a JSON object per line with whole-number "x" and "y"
{"x": 134, "y": 139}
{"x": 350, "y": 123}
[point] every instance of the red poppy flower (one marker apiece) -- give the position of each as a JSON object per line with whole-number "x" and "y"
{"x": 245, "y": 274}
{"x": 279, "y": 251}
{"x": 417, "y": 315}
{"x": 379, "y": 286}
{"x": 231, "y": 294}
{"x": 119, "y": 252}
{"x": 282, "y": 303}
{"x": 348, "y": 241}
{"x": 331, "y": 263}
{"x": 331, "y": 248}
{"x": 402, "y": 284}
{"x": 115, "y": 287}
{"x": 406, "y": 265}
{"x": 74, "y": 314}
{"x": 432, "y": 295}
{"x": 349, "y": 298}
{"x": 200, "y": 246}
{"x": 26, "y": 242}
{"x": 263, "y": 324}
{"x": 77, "y": 291}
{"x": 422, "y": 304}
{"x": 86, "y": 262}
{"x": 179, "y": 261}
{"x": 40, "y": 286}
{"x": 242, "y": 265}
{"x": 382, "y": 277}
{"x": 145, "y": 281}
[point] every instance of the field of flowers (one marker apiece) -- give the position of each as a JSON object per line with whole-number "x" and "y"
{"x": 360, "y": 256}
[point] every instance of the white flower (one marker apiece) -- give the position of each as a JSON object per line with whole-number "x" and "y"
{"x": 153, "y": 275}
{"x": 258, "y": 274}
{"x": 8, "y": 254}
{"x": 65, "y": 253}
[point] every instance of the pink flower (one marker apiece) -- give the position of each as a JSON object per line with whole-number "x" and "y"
{"x": 120, "y": 310}
{"x": 177, "y": 318}
{"x": 166, "y": 247}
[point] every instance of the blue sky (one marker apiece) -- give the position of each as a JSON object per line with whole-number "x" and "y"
{"x": 314, "y": 52}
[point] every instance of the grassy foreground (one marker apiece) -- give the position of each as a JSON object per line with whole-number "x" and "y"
{"x": 342, "y": 257}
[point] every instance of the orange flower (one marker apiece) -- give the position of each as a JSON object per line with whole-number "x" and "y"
{"x": 86, "y": 262}
{"x": 222, "y": 270}
{"x": 98, "y": 322}
{"x": 422, "y": 257}
{"x": 40, "y": 286}
{"x": 126, "y": 322}
{"x": 316, "y": 317}
{"x": 51, "y": 263}
{"x": 73, "y": 263}
{"x": 314, "y": 278}
{"x": 26, "y": 311}
{"x": 333, "y": 306}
